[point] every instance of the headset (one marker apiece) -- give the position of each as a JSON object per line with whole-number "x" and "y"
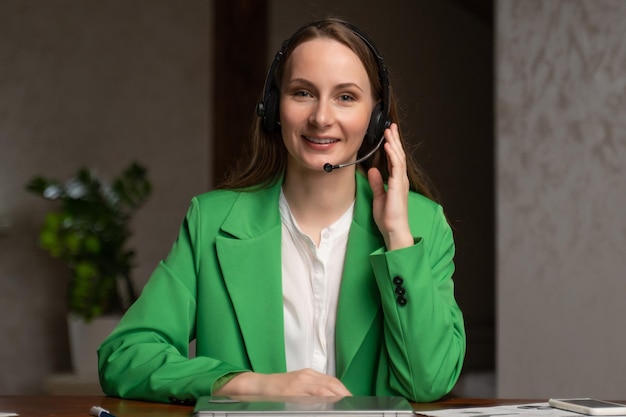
{"x": 268, "y": 109}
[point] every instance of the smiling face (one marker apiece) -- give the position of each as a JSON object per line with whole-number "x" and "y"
{"x": 325, "y": 104}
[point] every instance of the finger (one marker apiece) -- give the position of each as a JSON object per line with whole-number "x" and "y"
{"x": 376, "y": 181}
{"x": 332, "y": 386}
{"x": 396, "y": 158}
{"x": 337, "y": 388}
{"x": 392, "y": 136}
{"x": 320, "y": 382}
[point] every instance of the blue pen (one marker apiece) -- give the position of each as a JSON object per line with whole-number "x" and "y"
{"x": 99, "y": 412}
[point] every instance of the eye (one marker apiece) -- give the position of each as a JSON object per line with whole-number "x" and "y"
{"x": 346, "y": 97}
{"x": 302, "y": 93}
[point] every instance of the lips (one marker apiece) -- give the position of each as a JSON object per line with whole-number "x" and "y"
{"x": 321, "y": 141}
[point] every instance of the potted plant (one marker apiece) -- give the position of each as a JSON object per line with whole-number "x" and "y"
{"x": 89, "y": 230}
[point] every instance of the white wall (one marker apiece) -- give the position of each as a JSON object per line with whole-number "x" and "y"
{"x": 561, "y": 169}
{"x": 94, "y": 83}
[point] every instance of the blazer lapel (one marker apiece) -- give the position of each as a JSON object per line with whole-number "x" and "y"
{"x": 359, "y": 298}
{"x": 249, "y": 255}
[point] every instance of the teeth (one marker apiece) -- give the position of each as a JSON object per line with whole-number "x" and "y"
{"x": 321, "y": 141}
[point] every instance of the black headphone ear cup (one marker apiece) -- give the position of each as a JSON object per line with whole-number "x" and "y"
{"x": 377, "y": 126}
{"x": 270, "y": 107}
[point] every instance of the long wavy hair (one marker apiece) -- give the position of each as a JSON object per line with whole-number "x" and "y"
{"x": 265, "y": 157}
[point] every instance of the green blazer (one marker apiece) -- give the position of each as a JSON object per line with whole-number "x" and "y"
{"x": 221, "y": 285}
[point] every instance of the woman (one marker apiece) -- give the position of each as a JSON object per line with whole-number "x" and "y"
{"x": 300, "y": 275}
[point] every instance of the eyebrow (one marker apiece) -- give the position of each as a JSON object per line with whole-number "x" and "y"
{"x": 338, "y": 86}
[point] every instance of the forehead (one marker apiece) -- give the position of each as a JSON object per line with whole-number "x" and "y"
{"x": 326, "y": 57}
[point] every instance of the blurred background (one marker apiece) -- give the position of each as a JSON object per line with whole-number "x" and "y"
{"x": 516, "y": 109}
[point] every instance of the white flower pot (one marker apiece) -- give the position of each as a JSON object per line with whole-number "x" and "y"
{"x": 85, "y": 339}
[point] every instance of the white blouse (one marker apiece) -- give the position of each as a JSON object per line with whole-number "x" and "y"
{"x": 311, "y": 279}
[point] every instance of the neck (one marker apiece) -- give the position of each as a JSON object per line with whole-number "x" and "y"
{"x": 318, "y": 200}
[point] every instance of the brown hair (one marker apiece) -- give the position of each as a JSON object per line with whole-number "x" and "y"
{"x": 265, "y": 161}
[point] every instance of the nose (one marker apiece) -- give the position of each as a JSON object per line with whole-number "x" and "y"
{"x": 322, "y": 114}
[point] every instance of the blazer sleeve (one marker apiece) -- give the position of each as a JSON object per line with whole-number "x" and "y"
{"x": 146, "y": 356}
{"x": 424, "y": 332}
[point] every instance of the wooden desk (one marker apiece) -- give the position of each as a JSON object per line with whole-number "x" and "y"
{"x": 78, "y": 406}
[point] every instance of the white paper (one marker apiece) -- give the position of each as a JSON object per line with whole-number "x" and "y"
{"x": 515, "y": 410}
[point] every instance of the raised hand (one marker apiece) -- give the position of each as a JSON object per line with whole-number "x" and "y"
{"x": 390, "y": 206}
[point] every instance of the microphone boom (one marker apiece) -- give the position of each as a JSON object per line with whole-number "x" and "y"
{"x": 328, "y": 167}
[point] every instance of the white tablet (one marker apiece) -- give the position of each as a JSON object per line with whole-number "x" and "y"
{"x": 589, "y": 406}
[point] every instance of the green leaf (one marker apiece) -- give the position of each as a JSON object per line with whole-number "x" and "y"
{"x": 85, "y": 270}
{"x": 37, "y": 185}
{"x": 92, "y": 245}
{"x": 72, "y": 242}
{"x": 49, "y": 240}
